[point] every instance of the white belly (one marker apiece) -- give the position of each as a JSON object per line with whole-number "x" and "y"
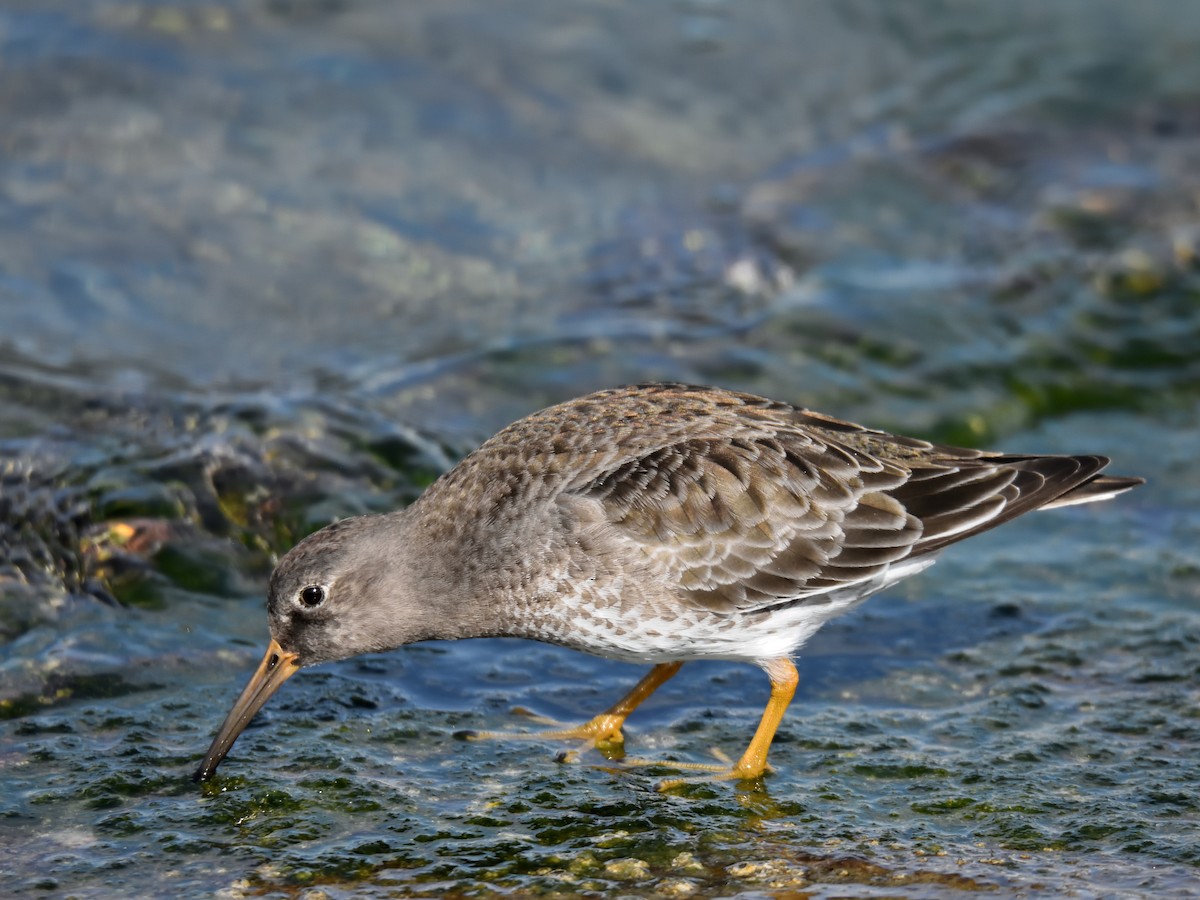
{"x": 640, "y": 634}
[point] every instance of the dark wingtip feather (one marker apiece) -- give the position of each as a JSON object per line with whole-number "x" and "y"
{"x": 1041, "y": 482}
{"x": 1098, "y": 487}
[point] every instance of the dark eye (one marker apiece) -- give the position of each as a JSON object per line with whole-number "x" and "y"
{"x": 313, "y": 595}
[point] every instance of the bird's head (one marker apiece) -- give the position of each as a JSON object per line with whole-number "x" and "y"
{"x": 339, "y": 592}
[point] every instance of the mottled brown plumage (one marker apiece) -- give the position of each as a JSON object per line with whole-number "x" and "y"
{"x": 657, "y": 523}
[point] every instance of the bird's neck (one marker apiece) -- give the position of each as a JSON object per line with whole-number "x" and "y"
{"x": 446, "y": 589}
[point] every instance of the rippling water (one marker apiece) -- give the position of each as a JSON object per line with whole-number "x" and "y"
{"x": 269, "y": 263}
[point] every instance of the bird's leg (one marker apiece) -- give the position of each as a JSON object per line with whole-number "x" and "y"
{"x": 753, "y": 763}
{"x": 602, "y": 729}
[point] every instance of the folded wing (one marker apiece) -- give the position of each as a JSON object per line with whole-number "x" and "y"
{"x": 764, "y": 515}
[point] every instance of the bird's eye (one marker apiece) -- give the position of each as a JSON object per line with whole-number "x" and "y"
{"x": 313, "y": 595}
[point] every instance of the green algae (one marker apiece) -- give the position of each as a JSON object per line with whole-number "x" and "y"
{"x": 61, "y": 690}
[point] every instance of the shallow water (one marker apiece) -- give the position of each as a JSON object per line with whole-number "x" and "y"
{"x": 270, "y": 263}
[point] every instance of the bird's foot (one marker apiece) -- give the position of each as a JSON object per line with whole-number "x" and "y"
{"x": 725, "y": 770}
{"x": 603, "y": 732}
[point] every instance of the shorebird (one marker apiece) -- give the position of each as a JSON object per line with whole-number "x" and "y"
{"x": 659, "y": 524}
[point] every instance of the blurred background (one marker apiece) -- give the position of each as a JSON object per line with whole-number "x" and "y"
{"x": 271, "y": 262}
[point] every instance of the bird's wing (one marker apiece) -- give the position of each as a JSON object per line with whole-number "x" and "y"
{"x": 761, "y": 516}
{"x": 751, "y": 520}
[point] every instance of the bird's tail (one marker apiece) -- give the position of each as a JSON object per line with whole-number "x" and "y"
{"x": 1098, "y": 487}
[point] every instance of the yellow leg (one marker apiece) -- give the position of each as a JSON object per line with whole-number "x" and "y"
{"x": 602, "y": 729}
{"x": 753, "y": 763}
{"x": 784, "y": 679}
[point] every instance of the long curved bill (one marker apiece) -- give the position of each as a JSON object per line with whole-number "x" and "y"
{"x": 276, "y": 667}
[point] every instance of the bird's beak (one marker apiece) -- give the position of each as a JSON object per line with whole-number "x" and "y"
{"x": 277, "y": 666}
